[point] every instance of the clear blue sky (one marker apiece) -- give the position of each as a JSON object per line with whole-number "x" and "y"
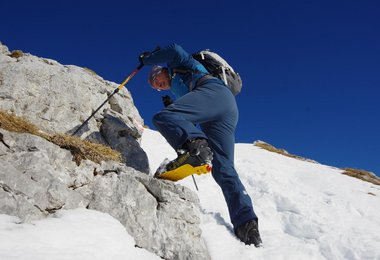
{"x": 310, "y": 69}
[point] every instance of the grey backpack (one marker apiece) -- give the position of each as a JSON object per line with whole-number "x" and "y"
{"x": 219, "y": 68}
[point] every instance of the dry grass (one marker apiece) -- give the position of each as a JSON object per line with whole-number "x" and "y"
{"x": 14, "y": 123}
{"x": 359, "y": 174}
{"x": 81, "y": 149}
{"x": 90, "y": 70}
{"x": 273, "y": 149}
{"x": 362, "y": 175}
{"x": 16, "y": 54}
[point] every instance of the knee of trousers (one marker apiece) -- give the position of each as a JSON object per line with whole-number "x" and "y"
{"x": 224, "y": 172}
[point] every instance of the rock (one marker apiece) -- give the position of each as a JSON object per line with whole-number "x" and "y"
{"x": 59, "y": 98}
{"x": 35, "y": 176}
{"x": 4, "y": 49}
{"x": 161, "y": 216}
{"x": 122, "y": 138}
{"x": 38, "y": 178}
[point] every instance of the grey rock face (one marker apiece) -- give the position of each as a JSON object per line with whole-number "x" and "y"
{"x": 58, "y": 98}
{"x": 160, "y": 216}
{"x": 4, "y": 49}
{"x": 38, "y": 178}
{"x": 121, "y": 138}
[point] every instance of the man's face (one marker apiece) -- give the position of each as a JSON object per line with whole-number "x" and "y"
{"x": 161, "y": 81}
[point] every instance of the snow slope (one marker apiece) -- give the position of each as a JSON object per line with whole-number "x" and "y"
{"x": 306, "y": 211}
{"x": 72, "y": 234}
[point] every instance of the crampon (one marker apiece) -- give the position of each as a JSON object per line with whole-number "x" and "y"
{"x": 182, "y": 172}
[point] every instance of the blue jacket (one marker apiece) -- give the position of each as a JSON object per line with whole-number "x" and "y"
{"x": 176, "y": 57}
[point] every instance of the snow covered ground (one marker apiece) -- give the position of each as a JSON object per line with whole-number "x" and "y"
{"x": 305, "y": 210}
{"x": 72, "y": 234}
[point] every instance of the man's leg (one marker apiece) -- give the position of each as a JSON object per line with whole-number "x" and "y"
{"x": 221, "y": 140}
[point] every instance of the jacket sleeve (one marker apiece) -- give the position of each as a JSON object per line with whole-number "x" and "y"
{"x": 173, "y": 55}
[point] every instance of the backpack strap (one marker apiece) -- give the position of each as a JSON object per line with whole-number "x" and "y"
{"x": 224, "y": 75}
{"x": 185, "y": 71}
{"x": 203, "y": 79}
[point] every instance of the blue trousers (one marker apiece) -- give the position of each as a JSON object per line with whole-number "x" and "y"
{"x": 213, "y": 107}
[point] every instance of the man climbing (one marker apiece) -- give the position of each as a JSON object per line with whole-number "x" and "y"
{"x": 205, "y": 100}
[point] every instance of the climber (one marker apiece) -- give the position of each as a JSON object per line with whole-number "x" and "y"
{"x": 207, "y": 101}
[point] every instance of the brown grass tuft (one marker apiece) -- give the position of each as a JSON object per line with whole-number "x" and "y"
{"x": 362, "y": 175}
{"x": 273, "y": 149}
{"x": 16, "y": 54}
{"x": 359, "y": 174}
{"x": 81, "y": 149}
{"x": 90, "y": 70}
{"x": 15, "y": 123}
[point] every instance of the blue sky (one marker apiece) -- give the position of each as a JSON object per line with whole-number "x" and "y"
{"x": 310, "y": 69}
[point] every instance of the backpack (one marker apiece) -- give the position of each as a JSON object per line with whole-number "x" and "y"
{"x": 219, "y": 68}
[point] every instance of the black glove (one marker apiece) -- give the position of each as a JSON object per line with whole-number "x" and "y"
{"x": 143, "y": 55}
{"x": 167, "y": 100}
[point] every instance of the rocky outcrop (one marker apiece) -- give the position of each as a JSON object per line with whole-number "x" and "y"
{"x": 59, "y": 98}
{"x": 160, "y": 216}
{"x": 124, "y": 140}
{"x": 38, "y": 178}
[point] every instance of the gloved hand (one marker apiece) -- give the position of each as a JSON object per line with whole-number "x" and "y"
{"x": 167, "y": 100}
{"x": 143, "y": 55}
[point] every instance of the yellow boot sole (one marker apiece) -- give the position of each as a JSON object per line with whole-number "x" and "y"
{"x": 185, "y": 171}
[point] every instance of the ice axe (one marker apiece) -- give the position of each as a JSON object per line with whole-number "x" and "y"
{"x": 109, "y": 97}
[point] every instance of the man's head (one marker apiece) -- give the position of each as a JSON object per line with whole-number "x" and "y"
{"x": 159, "y": 78}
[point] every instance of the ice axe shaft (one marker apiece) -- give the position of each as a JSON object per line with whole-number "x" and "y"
{"x": 109, "y": 97}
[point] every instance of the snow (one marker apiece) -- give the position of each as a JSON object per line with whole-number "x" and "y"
{"x": 71, "y": 234}
{"x": 306, "y": 211}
